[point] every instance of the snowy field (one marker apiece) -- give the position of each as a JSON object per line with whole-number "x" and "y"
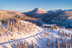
{"x": 42, "y": 38}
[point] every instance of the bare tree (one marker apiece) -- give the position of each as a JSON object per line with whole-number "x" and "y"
{"x": 48, "y": 43}
{"x": 53, "y": 45}
{"x": 0, "y": 23}
{"x": 66, "y": 44}
{"x": 58, "y": 44}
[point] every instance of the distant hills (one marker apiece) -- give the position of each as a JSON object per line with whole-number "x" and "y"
{"x": 67, "y": 9}
{"x": 39, "y": 16}
{"x": 60, "y": 17}
{"x": 41, "y": 11}
{"x": 5, "y": 15}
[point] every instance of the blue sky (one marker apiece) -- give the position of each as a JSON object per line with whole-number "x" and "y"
{"x": 27, "y": 5}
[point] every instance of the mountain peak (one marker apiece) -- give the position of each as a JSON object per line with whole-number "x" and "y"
{"x": 38, "y": 11}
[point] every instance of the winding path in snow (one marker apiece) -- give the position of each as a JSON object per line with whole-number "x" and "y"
{"x": 21, "y": 38}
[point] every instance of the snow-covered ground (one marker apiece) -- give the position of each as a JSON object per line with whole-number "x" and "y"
{"x": 39, "y": 38}
{"x": 32, "y": 36}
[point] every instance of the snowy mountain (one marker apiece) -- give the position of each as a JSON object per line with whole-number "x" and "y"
{"x": 59, "y": 10}
{"x": 55, "y": 11}
{"x": 67, "y": 9}
{"x": 59, "y": 17}
{"x": 37, "y": 11}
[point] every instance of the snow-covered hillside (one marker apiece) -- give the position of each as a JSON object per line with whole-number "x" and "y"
{"x": 40, "y": 38}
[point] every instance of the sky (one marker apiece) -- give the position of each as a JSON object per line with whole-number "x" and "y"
{"x": 27, "y": 5}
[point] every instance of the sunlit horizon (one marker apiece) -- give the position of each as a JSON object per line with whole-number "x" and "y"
{"x": 28, "y": 5}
